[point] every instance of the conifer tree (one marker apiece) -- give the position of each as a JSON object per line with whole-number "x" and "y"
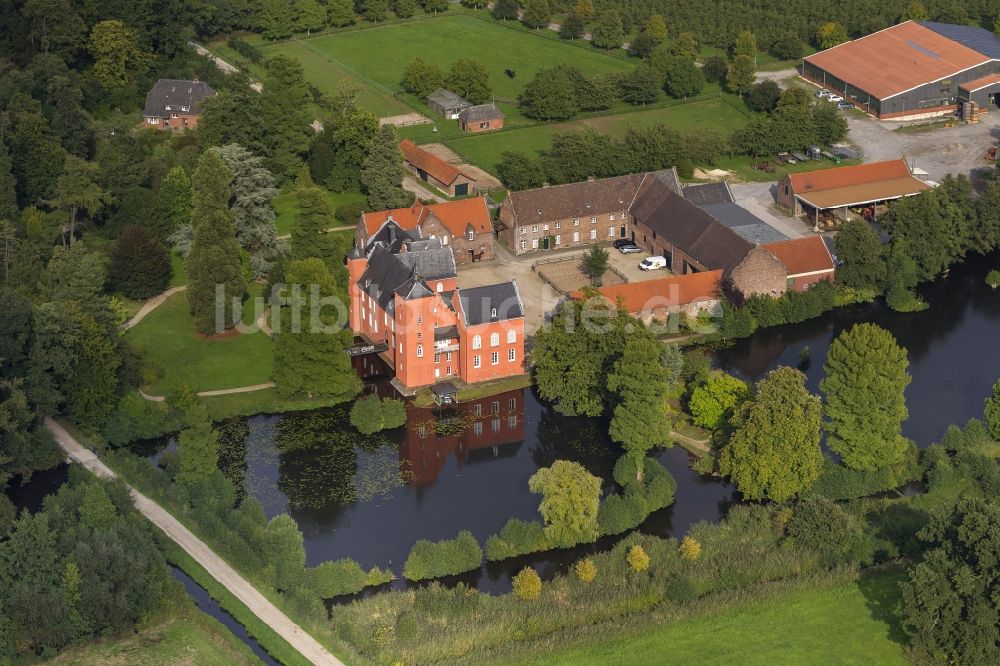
{"x": 309, "y": 356}
{"x": 285, "y": 103}
{"x": 215, "y": 253}
{"x": 8, "y": 186}
{"x": 174, "y": 202}
{"x": 382, "y": 173}
{"x": 198, "y": 448}
{"x": 309, "y": 235}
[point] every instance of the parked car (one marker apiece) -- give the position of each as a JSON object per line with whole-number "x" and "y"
{"x": 630, "y": 249}
{"x": 622, "y": 242}
{"x": 823, "y": 93}
{"x": 845, "y": 106}
{"x": 653, "y": 263}
{"x": 834, "y": 98}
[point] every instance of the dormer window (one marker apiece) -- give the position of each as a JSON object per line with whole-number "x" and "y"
{"x": 471, "y": 235}
{"x": 493, "y": 313}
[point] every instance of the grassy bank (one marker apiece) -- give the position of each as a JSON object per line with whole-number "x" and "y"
{"x": 275, "y": 645}
{"x": 845, "y": 623}
{"x": 285, "y": 208}
{"x": 177, "y": 635}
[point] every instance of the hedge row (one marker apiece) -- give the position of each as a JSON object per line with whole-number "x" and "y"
{"x": 433, "y": 559}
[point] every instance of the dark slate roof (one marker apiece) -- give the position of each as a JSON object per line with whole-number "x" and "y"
{"x": 743, "y": 222}
{"x": 389, "y": 273}
{"x": 975, "y": 38}
{"x": 668, "y": 177}
{"x": 431, "y": 264}
{"x": 447, "y": 99}
{"x": 475, "y": 114}
{"x": 688, "y": 227}
{"x": 709, "y": 193}
{"x": 176, "y": 96}
{"x": 478, "y": 303}
{"x": 582, "y": 200}
{"x": 391, "y": 237}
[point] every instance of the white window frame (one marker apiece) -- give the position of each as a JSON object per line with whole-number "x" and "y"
{"x": 511, "y": 354}
{"x": 511, "y": 336}
{"x": 523, "y": 244}
{"x": 524, "y": 230}
{"x": 558, "y": 239}
{"x": 558, "y": 225}
{"x": 477, "y": 341}
{"x": 534, "y": 228}
{"x": 593, "y": 234}
{"x": 476, "y": 362}
{"x": 494, "y": 339}
{"x": 593, "y": 219}
{"x": 495, "y": 358}
{"x": 420, "y": 351}
{"x": 534, "y": 243}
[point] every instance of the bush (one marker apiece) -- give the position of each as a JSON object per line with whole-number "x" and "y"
{"x": 349, "y": 213}
{"x": 135, "y": 418}
{"x": 690, "y": 549}
{"x": 681, "y": 589}
{"x": 516, "y": 537}
{"x": 433, "y": 559}
{"x": 335, "y": 578}
{"x": 637, "y": 559}
{"x": 993, "y": 278}
{"x": 621, "y": 512}
{"x": 370, "y": 414}
{"x": 527, "y": 584}
{"x": 140, "y": 266}
{"x": 585, "y": 570}
{"x": 715, "y": 69}
{"x": 837, "y": 482}
{"x": 248, "y": 51}
{"x": 836, "y": 536}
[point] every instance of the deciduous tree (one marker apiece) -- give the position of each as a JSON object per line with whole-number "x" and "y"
{"x": 595, "y": 263}
{"x": 683, "y": 78}
{"x": 641, "y": 85}
{"x": 197, "y": 448}
{"x": 860, "y": 251}
{"x": 309, "y": 15}
{"x": 830, "y": 34}
{"x": 570, "y": 498}
{"x": 949, "y": 603}
{"x": 550, "y": 95}
{"x": 865, "y": 406}
{"x": 536, "y": 14}
{"x": 118, "y": 59}
{"x": 740, "y": 75}
{"x": 656, "y": 27}
{"x": 713, "y": 402}
{"x": 506, "y": 10}
{"x": 991, "y": 413}
{"x": 573, "y": 27}
{"x": 285, "y": 552}
{"x": 276, "y": 19}
{"x": 608, "y": 32}
{"x": 469, "y": 79}
{"x": 340, "y": 13}
{"x": 519, "y": 171}
{"x": 774, "y": 451}
{"x": 421, "y": 77}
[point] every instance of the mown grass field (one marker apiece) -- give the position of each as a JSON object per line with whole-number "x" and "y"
{"x": 711, "y": 113}
{"x": 382, "y": 52}
{"x": 167, "y": 337}
{"x": 847, "y": 624}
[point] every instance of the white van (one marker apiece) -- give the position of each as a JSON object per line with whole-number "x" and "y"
{"x": 653, "y": 263}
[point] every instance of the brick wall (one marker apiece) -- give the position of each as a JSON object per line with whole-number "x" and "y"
{"x": 599, "y": 227}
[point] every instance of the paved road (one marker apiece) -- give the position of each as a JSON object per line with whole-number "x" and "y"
{"x": 224, "y": 66}
{"x": 196, "y": 548}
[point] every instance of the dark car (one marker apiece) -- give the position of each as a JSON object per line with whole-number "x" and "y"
{"x": 622, "y": 242}
{"x": 845, "y": 106}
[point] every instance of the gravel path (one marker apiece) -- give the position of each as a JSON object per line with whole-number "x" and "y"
{"x": 258, "y": 604}
{"x": 150, "y": 305}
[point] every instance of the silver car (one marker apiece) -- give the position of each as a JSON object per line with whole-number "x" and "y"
{"x": 630, "y": 249}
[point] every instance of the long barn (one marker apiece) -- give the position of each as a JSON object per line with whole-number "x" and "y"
{"x": 917, "y": 69}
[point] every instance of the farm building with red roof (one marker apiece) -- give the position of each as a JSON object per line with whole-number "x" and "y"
{"x": 917, "y": 69}
{"x": 433, "y": 170}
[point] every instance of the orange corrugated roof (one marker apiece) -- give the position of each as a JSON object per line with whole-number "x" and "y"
{"x": 846, "y": 176}
{"x": 978, "y": 84}
{"x": 428, "y": 162}
{"x": 456, "y": 216}
{"x": 675, "y": 290}
{"x": 802, "y": 255}
{"x": 865, "y": 193}
{"x": 897, "y": 59}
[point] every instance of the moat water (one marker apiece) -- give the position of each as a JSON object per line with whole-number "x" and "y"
{"x": 371, "y": 498}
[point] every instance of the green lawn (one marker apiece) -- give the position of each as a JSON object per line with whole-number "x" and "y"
{"x": 712, "y": 113}
{"x": 849, "y": 623}
{"x": 382, "y": 52}
{"x": 284, "y": 207}
{"x": 178, "y": 275}
{"x": 178, "y": 635}
{"x": 168, "y": 339}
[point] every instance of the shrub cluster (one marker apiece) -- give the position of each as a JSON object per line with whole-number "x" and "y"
{"x": 527, "y": 584}
{"x": 371, "y": 414}
{"x": 833, "y": 534}
{"x": 838, "y": 482}
{"x": 433, "y": 559}
{"x": 764, "y": 311}
{"x": 245, "y": 49}
{"x": 335, "y": 578}
{"x": 618, "y": 512}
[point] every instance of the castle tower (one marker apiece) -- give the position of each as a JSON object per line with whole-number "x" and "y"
{"x": 357, "y": 264}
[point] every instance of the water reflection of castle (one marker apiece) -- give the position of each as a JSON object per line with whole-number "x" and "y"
{"x": 493, "y": 428}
